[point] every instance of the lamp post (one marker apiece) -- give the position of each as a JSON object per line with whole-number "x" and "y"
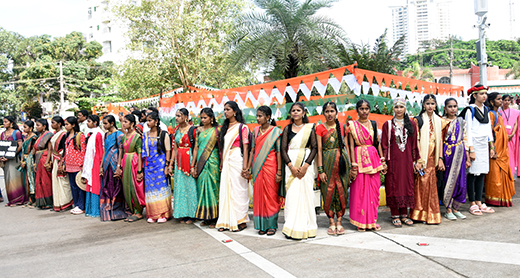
{"x": 481, "y": 9}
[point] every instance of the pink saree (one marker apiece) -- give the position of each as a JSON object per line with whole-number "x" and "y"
{"x": 510, "y": 117}
{"x": 364, "y": 190}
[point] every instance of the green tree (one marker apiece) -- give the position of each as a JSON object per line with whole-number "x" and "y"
{"x": 417, "y": 73}
{"x": 287, "y": 37}
{"x": 380, "y": 58}
{"x": 178, "y": 43}
{"x": 515, "y": 71}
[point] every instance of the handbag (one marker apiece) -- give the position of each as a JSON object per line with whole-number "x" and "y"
{"x": 317, "y": 196}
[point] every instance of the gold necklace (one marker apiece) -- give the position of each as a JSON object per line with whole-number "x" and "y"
{"x": 332, "y": 138}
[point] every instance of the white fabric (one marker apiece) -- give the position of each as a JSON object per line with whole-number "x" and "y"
{"x": 476, "y": 129}
{"x": 425, "y": 137}
{"x": 234, "y": 192}
{"x": 83, "y": 127}
{"x": 61, "y": 192}
{"x": 300, "y": 215}
{"x": 481, "y": 164}
{"x": 90, "y": 153}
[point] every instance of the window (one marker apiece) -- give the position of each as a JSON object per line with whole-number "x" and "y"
{"x": 107, "y": 47}
{"x": 95, "y": 8}
{"x": 98, "y": 27}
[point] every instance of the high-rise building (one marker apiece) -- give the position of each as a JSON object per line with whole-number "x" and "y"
{"x": 421, "y": 21}
{"x": 103, "y": 27}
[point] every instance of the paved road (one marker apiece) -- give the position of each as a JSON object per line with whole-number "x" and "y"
{"x": 36, "y": 243}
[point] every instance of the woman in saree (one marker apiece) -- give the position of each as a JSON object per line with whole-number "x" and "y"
{"x": 500, "y": 185}
{"x": 112, "y": 200}
{"x": 366, "y": 165}
{"x": 510, "y": 117}
{"x": 333, "y": 170}
{"x": 14, "y": 188}
{"x": 430, "y": 146}
{"x": 43, "y": 181}
{"x": 156, "y": 156}
{"x": 266, "y": 171}
{"x": 92, "y": 166}
{"x": 456, "y": 160}
{"x": 61, "y": 192}
{"x": 185, "y": 187}
{"x": 27, "y": 162}
{"x": 400, "y": 148}
{"x": 234, "y": 189}
{"x": 130, "y": 169}
{"x": 298, "y": 150}
{"x": 206, "y": 168}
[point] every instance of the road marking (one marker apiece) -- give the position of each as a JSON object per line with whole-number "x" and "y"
{"x": 262, "y": 263}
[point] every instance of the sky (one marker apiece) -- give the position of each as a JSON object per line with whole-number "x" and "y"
{"x": 363, "y": 20}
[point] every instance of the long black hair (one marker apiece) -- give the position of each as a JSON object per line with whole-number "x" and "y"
{"x": 504, "y": 96}
{"x": 423, "y": 109}
{"x": 30, "y": 124}
{"x": 139, "y": 115}
{"x": 491, "y": 98}
{"x": 154, "y": 116}
{"x": 238, "y": 116}
{"x": 130, "y": 118}
{"x": 110, "y": 119}
{"x": 408, "y": 124}
{"x": 268, "y": 113}
{"x": 446, "y": 104}
{"x": 305, "y": 119}
{"x": 94, "y": 119}
{"x": 360, "y": 103}
{"x": 59, "y": 120}
{"x": 73, "y": 121}
{"x": 209, "y": 112}
{"x": 342, "y": 163}
{"x": 12, "y": 120}
{"x": 44, "y": 123}
{"x": 184, "y": 112}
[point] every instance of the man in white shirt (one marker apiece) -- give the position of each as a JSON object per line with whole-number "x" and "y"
{"x": 82, "y": 119}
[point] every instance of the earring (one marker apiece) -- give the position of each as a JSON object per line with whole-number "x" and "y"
{"x": 235, "y": 115}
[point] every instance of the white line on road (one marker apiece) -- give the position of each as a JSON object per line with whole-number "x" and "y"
{"x": 262, "y": 263}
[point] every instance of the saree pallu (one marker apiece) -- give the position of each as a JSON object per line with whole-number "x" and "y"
{"x": 500, "y": 186}
{"x": 13, "y": 182}
{"x": 510, "y": 117}
{"x": 61, "y": 191}
{"x": 425, "y": 192}
{"x": 43, "y": 181}
{"x": 364, "y": 190}
{"x": 299, "y": 210}
{"x": 455, "y": 163}
{"x": 112, "y": 200}
{"x": 234, "y": 189}
{"x": 28, "y": 172}
{"x": 208, "y": 162}
{"x": 133, "y": 189}
{"x": 335, "y": 191}
{"x": 157, "y": 191}
{"x": 266, "y": 202}
{"x": 185, "y": 187}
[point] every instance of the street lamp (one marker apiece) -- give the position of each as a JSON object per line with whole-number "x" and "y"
{"x": 481, "y": 8}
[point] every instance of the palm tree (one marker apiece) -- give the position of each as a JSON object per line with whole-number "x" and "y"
{"x": 287, "y": 35}
{"x": 514, "y": 71}
{"x": 418, "y": 73}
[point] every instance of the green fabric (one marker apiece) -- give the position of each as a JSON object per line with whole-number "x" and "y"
{"x": 208, "y": 181}
{"x": 128, "y": 182}
{"x": 28, "y": 173}
{"x": 272, "y": 141}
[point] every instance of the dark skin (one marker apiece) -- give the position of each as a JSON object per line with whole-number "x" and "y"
{"x": 430, "y": 106}
{"x": 70, "y": 130}
{"x": 506, "y": 102}
{"x": 184, "y": 126}
{"x": 110, "y": 128}
{"x": 57, "y": 127}
{"x": 30, "y": 133}
{"x": 297, "y": 116}
{"x": 8, "y": 132}
{"x": 152, "y": 124}
{"x": 206, "y": 121}
{"x": 40, "y": 129}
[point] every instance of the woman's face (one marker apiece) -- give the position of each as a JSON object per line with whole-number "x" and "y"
{"x": 260, "y": 117}
{"x": 179, "y": 117}
{"x": 399, "y": 110}
{"x": 363, "y": 111}
{"x": 330, "y": 113}
{"x": 55, "y": 125}
{"x": 205, "y": 120}
{"x": 481, "y": 97}
{"x": 106, "y": 125}
{"x": 506, "y": 102}
{"x": 39, "y": 127}
{"x": 68, "y": 126}
{"x": 229, "y": 113}
{"x": 498, "y": 101}
{"x": 7, "y": 124}
{"x": 91, "y": 124}
{"x": 430, "y": 105}
{"x": 297, "y": 113}
{"x": 151, "y": 122}
{"x": 27, "y": 129}
{"x": 127, "y": 124}
{"x": 451, "y": 108}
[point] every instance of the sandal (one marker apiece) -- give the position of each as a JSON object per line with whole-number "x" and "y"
{"x": 271, "y": 232}
{"x": 189, "y": 221}
{"x": 133, "y": 218}
{"x": 241, "y": 227}
{"x": 361, "y": 229}
{"x": 475, "y": 210}
{"x": 203, "y": 223}
{"x": 377, "y": 228}
{"x": 262, "y": 232}
{"x": 407, "y": 221}
{"x": 340, "y": 230}
{"x": 150, "y": 220}
{"x": 211, "y": 226}
{"x": 486, "y": 209}
{"x": 332, "y": 230}
{"x": 397, "y": 223}
{"x": 221, "y": 229}
{"x": 162, "y": 220}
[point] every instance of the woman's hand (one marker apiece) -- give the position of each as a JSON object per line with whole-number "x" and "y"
{"x": 170, "y": 170}
{"x": 118, "y": 173}
{"x": 295, "y": 171}
{"x": 101, "y": 173}
{"x": 492, "y": 154}
{"x": 302, "y": 171}
{"x": 193, "y": 172}
{"x": 166, "y": 171}
{"x": 385, "y": 169}
{"x": 48, "y": 167}
{"x": 510, "y": 137}
{"x": 440, "y": 166}
{"x": 418, "y": 167}
{"x": 22, "y": 164}
{"x": 246, "y": 174}
{"x": 278, "y": 177}
{"x": 323, "y": 177}
{"x": 472, "y": 156}
{"x": 468, "y": 164}
{"x": 353, "y": 173}
{"x": 140, "y": 176}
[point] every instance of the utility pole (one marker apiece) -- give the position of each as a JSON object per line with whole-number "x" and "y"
{"x": 481, "y": 8}
{"x": 62, "y": 93}
{"x": 451, "y": 59}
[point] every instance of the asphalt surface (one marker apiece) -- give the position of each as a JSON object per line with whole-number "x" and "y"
{"x": 43, "y": 243}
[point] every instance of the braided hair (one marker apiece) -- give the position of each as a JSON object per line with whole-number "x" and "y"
{"x": 155, "y": 117}
{"x": 342, "y": 163}
{"x": 268, "y": 113}
{"x": 491, "y": 99}
{"x": 238, "y": 116}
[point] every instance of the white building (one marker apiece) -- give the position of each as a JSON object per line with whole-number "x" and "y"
{"x": 105, "y": 29}
{"x": 421, "y": 21}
